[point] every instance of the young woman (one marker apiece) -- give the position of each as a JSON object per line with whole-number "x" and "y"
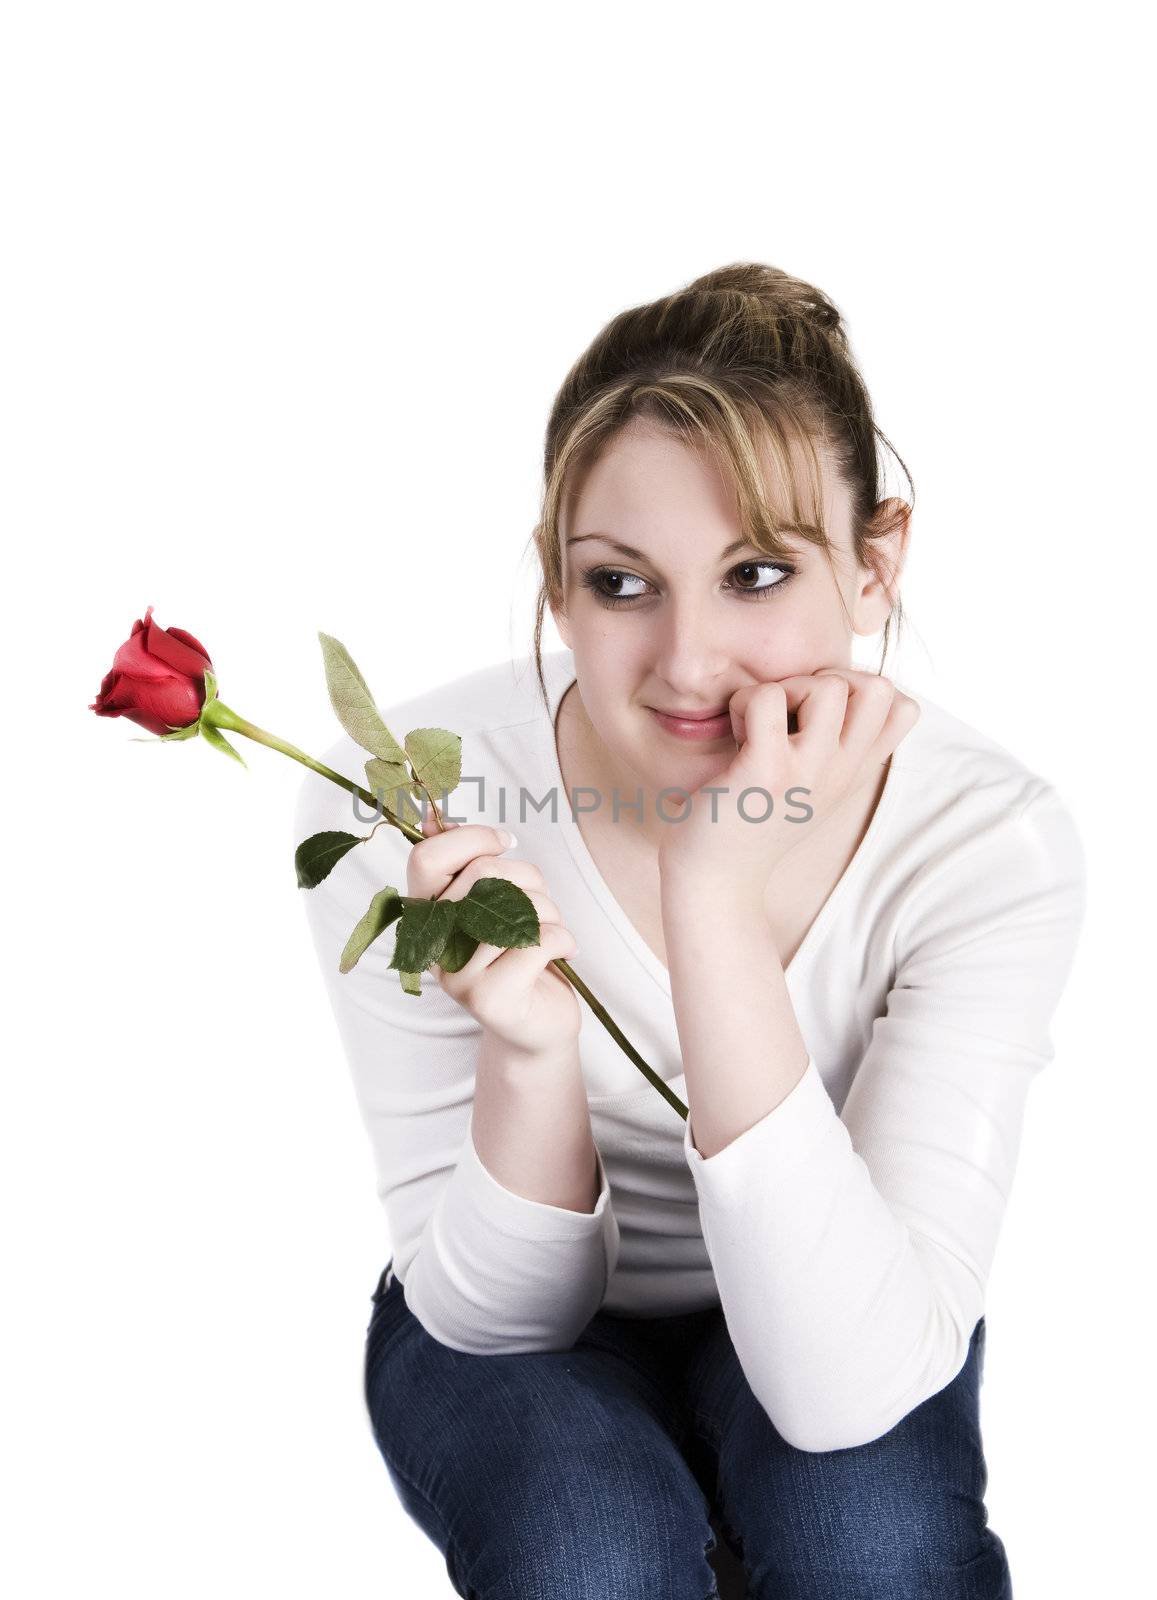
{"x": 832, "y": 916}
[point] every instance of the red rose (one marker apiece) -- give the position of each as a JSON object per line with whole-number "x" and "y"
{"x": 157, "y": 678}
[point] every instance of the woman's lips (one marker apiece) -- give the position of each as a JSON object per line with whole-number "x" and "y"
{"x": 684, "y": 728}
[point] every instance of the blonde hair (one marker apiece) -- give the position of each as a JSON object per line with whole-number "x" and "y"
{"x": 743, "y": 356}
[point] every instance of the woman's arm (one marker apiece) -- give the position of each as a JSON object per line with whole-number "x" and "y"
{"x": 852, "y": 1250}
{"x": 742, "y": 1049}
{"x": 532, "y": 1126}
{"x": 487, "y": 1268}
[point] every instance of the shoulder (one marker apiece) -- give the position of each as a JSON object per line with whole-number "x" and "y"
{"x": 947, "y": 755}
{"x": 986, "y": 840}
{"x": 954, "y": 779}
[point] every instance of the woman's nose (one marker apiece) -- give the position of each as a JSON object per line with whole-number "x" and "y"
{"x": 691, "y": 649}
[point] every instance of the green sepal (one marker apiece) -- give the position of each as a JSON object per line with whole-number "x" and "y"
{"x": 315, "y": 857}
{"x": 190, "y": 729}
{"x": 384, "y": 908}
{"x": 210, "y": 690}
{"x": 411, "y": 982}
{"x": 219, "y": 742}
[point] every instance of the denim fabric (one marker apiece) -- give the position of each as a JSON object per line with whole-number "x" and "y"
{"x": 592, "y": 1473}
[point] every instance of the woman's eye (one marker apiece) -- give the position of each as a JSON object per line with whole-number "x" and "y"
{"x": 598, "y": 576}
{"x": 777, "y": 582}
{"x": 595, "y": 579}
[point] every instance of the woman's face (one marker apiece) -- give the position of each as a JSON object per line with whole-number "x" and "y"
{"x": 701, "y": 612}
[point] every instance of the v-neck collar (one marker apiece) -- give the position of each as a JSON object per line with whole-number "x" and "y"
{"x": 559, "y": 672}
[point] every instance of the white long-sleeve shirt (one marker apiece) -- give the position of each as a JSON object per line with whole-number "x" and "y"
{"x": 849, "y": 1234}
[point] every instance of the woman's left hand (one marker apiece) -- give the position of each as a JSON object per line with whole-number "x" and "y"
{"x": 849, "y": 723}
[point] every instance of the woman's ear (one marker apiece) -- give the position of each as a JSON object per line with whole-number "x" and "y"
{"x": 880, "y": 580}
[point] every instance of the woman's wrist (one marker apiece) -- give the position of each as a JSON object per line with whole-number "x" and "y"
{"x": 513, "y": 1061}
{"x": 685, "y": 890}
{"x": 532, "y": 1124}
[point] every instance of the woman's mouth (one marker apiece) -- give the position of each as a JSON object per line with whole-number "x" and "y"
{"x": 705, "y": 728}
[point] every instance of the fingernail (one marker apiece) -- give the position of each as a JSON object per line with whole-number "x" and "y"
{"x": 507, "y": 838}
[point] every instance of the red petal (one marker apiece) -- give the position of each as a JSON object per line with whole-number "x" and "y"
{"x": 176, "y": 701}
{"x": 187, "y": 638}
{"x": 122, "y": 703}
{"x": 103, "y": 693}
{"x": 168, "y": 648}
{"x": 145, "y": 719}
{"x": 133, "y": 656}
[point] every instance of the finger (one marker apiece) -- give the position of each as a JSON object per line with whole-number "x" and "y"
{"x": 870, "y": 700}
{"x": 820, "y": 705}
{"x": 434, "y": 860}
{"x": 524, "y": 873}
{"x": 516, "y": 970}
{"x": 486, "y": 954}
{"x": 903, "y": 715}
{"x": 768, "y": 714}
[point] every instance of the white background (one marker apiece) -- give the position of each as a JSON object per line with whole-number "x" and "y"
{"x": 290, "y": 290}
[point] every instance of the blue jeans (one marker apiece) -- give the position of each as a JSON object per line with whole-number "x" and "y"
{"x": 591, "y": 1473}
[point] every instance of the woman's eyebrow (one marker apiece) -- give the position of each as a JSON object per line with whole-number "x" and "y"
{"x": 641, "y": 555}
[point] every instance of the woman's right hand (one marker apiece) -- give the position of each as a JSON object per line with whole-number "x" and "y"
{"x": 514, "y": 994}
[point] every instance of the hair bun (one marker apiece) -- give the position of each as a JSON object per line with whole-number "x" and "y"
{"x": 774, "y": 288}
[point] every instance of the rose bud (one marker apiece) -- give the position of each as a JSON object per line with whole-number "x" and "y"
{"x": 157, "y": 678}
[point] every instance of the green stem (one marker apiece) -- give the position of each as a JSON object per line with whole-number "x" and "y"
{"x": 619, "y": 1036}
{"x": 221, "y": 716}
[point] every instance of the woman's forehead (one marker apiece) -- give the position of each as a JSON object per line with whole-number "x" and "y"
{"x": 638, "y": 468}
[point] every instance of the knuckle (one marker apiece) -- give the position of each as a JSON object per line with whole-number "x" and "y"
{"x": 467, "y": 994}
{"x": 418, "y": 862}
{"x": 483, "y": 868}
{"x": 478, "y": 867}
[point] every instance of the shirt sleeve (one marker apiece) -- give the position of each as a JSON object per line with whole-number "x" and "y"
{"x": 852, "y": 1250}
{"x": 485, "y": 1270}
